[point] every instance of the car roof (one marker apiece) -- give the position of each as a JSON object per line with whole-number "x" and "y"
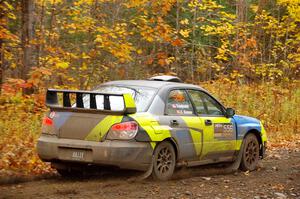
{"x": 152, "y": 84}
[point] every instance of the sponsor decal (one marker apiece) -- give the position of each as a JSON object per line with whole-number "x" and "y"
{"x": 223, "y": 130}
{"x": 180, "y": 106}
{"x": 187, "y": 112}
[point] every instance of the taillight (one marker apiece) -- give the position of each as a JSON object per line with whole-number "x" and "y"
{"x": 126, "y": 126}
{"x": 47, "y": 121}
{"x": 123, "y": 131}
{"x": 48, "y": 125}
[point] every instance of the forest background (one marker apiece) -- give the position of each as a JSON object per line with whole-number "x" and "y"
{"x": 246, "y": 52}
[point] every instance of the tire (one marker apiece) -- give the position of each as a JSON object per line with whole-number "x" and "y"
{"x": 250, "y": 156}
{"x": 164, "y": 161}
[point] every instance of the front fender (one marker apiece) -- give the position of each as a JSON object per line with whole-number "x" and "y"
{"x": 245, "y": 124}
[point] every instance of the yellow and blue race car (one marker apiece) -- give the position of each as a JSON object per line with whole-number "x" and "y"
{"x": 152, "y": 125}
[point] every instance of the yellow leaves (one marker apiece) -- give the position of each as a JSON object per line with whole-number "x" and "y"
{"x": 170, "y": 60}
{"x": 99, "y": 39}
{"x": 225, "y": 16}
{"x": 62, "y": 65}
{"x": 53, "y": 2}
{"x": 148, "y": 37}
{"x": 221, "y": 54}
{"x": 219, "y": 28}
{"x": 80, "y": 2}
{"x": 184, "y": 22}
{"x": 84, "y": 66}
{"x": 185, "y": 33}
{"x": 254, "y": 8}
{"x": 294, "y": 11}
{"x": 114, "y": 40}
{"x": 235, "y": 74}
{"x": 7, "y": 6}
{"x": 135, "y": 3}
{"x": 85, "y": 56}
{"x": 205, "y": 5}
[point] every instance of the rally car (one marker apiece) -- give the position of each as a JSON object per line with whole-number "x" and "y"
{"x": 151, "y": 125}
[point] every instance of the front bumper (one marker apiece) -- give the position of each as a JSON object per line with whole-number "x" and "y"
{"x": 263, "y": 150}
{"x": 124, "y": 154}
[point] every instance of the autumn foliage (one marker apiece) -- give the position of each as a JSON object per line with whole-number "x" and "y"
{"x": 247, "y": 54}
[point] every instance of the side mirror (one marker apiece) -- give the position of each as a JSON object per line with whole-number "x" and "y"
{"x": 230, "y": 112}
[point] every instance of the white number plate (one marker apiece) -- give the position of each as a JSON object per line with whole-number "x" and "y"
{"x": 79, "y": 155}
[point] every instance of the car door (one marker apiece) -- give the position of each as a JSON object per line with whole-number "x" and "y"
{"x": 219, "y": 132}
{"x": 183, "y": 123}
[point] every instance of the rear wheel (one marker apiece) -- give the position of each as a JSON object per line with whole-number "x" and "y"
{"x": 250, "y": 155}
{"x": 164, "y": 161}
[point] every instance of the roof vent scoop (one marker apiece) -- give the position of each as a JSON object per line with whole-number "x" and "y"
{"x": 166, "y": 78}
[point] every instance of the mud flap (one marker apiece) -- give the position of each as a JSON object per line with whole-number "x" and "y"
{"x": 236, "y": 164}
{"x": 145, "y": 175}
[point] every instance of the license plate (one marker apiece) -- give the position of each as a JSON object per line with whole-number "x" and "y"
{"x": 78, "y": 155}
{"x": 82, "y": 155}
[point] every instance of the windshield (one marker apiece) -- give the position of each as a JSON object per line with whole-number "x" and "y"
{"x": 142, "y": 97}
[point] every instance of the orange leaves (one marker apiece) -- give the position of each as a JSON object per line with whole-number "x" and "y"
{"x": 161, "y": 59}
{"x": 177, "y": 42}
{"x": 20, "y": 127}
{"x": 38, "y": 75}
{"x": 161, "y": 56}
{"x": 162, "y": 62}
{"x": 149, "y": 61}
{"x": 18, "y": 156}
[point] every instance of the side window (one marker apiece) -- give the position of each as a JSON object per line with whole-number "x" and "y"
{"x": 213, "y": 107}
{"x": 198, "y": 101}
{"x": 178, "y": 103}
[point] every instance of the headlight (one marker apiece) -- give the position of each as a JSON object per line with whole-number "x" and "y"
{"x": 123, "y": 131}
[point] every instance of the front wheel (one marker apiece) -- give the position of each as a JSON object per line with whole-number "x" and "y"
{"x": 164, "y": 161}
{"x": 250, "y": 156}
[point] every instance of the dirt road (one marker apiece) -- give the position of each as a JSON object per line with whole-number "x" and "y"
{"x": 277, "y": 177}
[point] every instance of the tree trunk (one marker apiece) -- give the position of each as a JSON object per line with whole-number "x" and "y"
{"x": 241, "y": 10}
{"x": 193, "y": 61}
{"x": 177, "y": 68}
{"x": 1, "y": 63}
{"x": 1, "y": 54}
{"x": 27, "y": 37}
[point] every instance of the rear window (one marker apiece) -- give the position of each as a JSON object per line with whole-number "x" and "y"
{"x": 142, "y": 97}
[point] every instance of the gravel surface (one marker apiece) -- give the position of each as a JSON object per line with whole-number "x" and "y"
{"x": 277, "y": 177}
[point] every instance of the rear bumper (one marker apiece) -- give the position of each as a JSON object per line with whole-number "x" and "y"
{"x": 124, "y": 154}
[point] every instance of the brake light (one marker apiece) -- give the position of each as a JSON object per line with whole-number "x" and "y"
{"x": 123, "y": 131}
{"x": 126, "y": 126}
{"x": 47, "y": 121}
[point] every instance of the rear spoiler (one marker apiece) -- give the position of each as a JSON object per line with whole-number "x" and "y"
{"x": 52, "y": 101}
